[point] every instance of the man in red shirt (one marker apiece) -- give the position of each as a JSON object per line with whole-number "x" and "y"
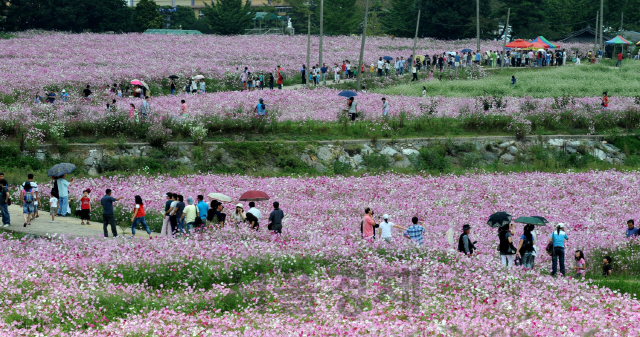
{"x": 619, "y": 59}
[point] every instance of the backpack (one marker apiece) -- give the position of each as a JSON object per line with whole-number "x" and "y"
{"x": 527, "y": 245}
{"x": 28, "y": 196}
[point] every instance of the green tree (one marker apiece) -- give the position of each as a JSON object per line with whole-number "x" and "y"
{"x": 183, "y": 17}
{"x": 228, "y": 17}
{"x": 202, "y": 25}
{"x": 451, "y": 19}
{"x": 147, "y": 16}
{"x": 400, "y": 18}
{"x": 341, "y": 17}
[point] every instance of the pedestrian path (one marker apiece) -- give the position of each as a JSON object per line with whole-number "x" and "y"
{"x": 67, "y": 226}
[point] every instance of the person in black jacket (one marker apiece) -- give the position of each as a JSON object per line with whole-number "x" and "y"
{"x": 464, "y": 243}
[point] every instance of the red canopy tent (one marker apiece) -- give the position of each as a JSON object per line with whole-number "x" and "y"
{"x": 539, "y": 45}
{"x": 519, "y": 43}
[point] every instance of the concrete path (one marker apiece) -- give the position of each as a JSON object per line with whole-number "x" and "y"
{"x": 67, "y": 226}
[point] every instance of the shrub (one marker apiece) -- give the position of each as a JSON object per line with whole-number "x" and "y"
{"x": 341, "y": 168}
{"x": 375, "y": 161}
{"x": 433, "y": 159}
{"x": 158, "y": 135}
{"x": 198, "y": 134}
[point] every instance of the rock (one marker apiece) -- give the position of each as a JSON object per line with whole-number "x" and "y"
{"x": 404, "y": 163}
{"x": 513, "y": 150}
{"x": 325, "y": 154}
{"x": 556, "y": 142}
{"x": 357, "y": 159}
{"x": 388, "y": 151}
{"x": 598, "y": 154}
{"x": 507, "y": 157}
{"x": 490, "y": 156}
{"x": 366, "y": 149}
{"x": 184, "y": 160}
{"x": 592, "y": 143}
{"x": 504, "y": 145}
{"x": 610, "y": 148}
{"x": 408, "y": 152}
{"x": 306, "y": 158}
{"x": 617, "y": 161}
{"x": 378, "y": 146}
{"x": 319, "y": 167}
{"x": 226, "y": 159}
{"x": 479, "y": 146}
{"x": 55, "y": 156}
{"x": 89, "y": 161}
{"x": 574, "y": 143}
{"x": 40, "y": 156}
{"x": 93, "y": 172}
{"x": 622, "y": 156}
{"x": 571, "y": 150}
{"x": 609, "y": 160}
{"x": 344, "y": 159}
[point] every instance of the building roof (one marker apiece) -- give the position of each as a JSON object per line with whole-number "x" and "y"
{"x": 631, "y": 35}
{"x": 172, "y": 31}
{"x": 587, "y": 30}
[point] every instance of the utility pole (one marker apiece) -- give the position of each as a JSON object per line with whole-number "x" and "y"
{"x": 364, "y": 38}
{"x": 477, "y": 26}
{"x": 306, "y": 73}
{"x": 504, "y": 44}
{"x": 595, "y": 43}
{"x": 415, "y": 41}
{"x": 601, "y": 26}
{"x": 321, "y": 29}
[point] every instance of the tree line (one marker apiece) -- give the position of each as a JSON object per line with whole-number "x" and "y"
{"x": 444, "y": 19}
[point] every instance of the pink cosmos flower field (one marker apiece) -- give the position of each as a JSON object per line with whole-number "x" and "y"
{"x": 320, "y": 278}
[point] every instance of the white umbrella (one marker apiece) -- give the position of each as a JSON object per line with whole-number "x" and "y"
{"x": 145, "y": 85}
{"x": 219, "y": 197}
{"x": 542, "y": 50}
{"x": 198, "y": 77}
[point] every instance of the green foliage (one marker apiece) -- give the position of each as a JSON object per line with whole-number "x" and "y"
{"x": 147, "y": 16}
{"x": 341, "y": 17}
{"x": 202, "y": 25}
{"x": 228, "y": 17}
{"x": 183, "y": 18}
{"x": 375, "y": 161}
{"x": 341, "y": 168}
{"x": 433, "y": 159}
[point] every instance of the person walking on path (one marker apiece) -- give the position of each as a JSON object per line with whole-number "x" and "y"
{"x": 632, "y": 231}
{"x": 323, "y": 72}
{"x": 619, "y": 63}
{"x": 385, "y": 228}
{"x": 189, "y": 215}
{"x": 85, "y": 207}
{"x": 280, "y": 77}
{"x": 526, "y": 248}
{"x": 166, "y": 223}
{"x": 464, "y": 243}
{"x": 108, "y": 216}
{"x": 138, "y": 217}
{"x": 53, "y": 208}
{"x": 203, "y": 87}
{"x": 507, "y": 250}
{"x": 303, "y": 73}
{"x": 271, "y": 79}
{"x": 415, "y": 232}
{"x": 4, "y": 203}
{"x": 275, "y": 219}
{"x": 172, "y": 85}
{"x": 414, "y": 72}
{"x": 28, "y": 196}
{"x": 34, "y": 186}
{"x": 581, "y": 265}
{"x": 173, "y": 218}
{"x": 558, "y": 238}
{"x": 180, "y": 205}
{"x": 63, "y": 194}
{"x": 146, "y": 109}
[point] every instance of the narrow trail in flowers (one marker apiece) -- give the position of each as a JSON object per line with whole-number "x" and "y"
{"x": 67, "y": 226}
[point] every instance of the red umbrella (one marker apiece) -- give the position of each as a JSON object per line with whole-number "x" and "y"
{"x": 519, "y": 43}
{"x": 254, "y": 196}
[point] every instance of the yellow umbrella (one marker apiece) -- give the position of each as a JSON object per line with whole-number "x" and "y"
{"x": 420, "y": 58}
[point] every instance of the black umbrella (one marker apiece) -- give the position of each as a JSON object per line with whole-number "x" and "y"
{"x": 499, "y": 219}
{"x": 530, "y": 220}
{"x": 466, "y": 50}
{"x": 174, "y": 77}
{"x": 348, "y": 94}
{"x": 61, "y": 169}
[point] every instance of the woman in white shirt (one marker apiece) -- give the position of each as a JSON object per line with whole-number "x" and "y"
{"x": 239, "y": 215}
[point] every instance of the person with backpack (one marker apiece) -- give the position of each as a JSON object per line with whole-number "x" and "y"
{"x": 557, "y": 239}
{"x": 28, "y": 196}
{"x": 34, "y": 186}
{"x": 526, "y": 249}
{"x": 261, "y": 108}
{"x": 506, "y": 248}
{"x": 464, "y": 243}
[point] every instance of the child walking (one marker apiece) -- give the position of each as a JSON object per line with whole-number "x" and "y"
{"x": 580, "y": 264}
{"x": 85, "y": 207}
{"x": 53, "y": 208}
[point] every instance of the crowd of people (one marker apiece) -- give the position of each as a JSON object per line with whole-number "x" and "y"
{"x": 523, "y": 255}
{"x": 181, "y": 215}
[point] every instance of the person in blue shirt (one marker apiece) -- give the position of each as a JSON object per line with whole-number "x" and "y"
{"x": 457, "y": 61}
{"x": 51, "y": 97}
{"x": 513, "y": 80}
{"x": 323, "y": 70}
{"x": 261, "y": 108}
{"x": 558, "y": 237}
{"x": 64, "y": 95}
{"x": 203, "y": 208}
{"x": 631, "y": 230}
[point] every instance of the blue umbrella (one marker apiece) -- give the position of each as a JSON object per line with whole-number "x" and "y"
{"x": 348, "y": 94}
{"x": 466, "y": 50}
{"x": 387, "y": 58}
{"x": 60, "y": 169}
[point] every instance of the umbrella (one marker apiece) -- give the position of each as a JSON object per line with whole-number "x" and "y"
{"x": 451, "y": 53}
{"x": 254, "y": 196}
{"x": 538, "y": 45}
{"x": 541, "y": 218}
{"x": 61, "y": 169}
{"x": 174, "y": 77}
{"x": 466, "y": 50}
{"x": 198, "y": 77}
{"x": 519, "y": 43}
{"x": 499, "y": 219}
{"x": 419, "y": 58}
{"x": 548, "y": 44}
{"x": 529, "y": 220}
{"x": 136, "y": 82}
{"x": 387, "y": 58}
{"x": 618, "y": 40}
{"x": 347, "y": 94}
{"x": 542, "y": 50}
{"x": 219, "y": 197}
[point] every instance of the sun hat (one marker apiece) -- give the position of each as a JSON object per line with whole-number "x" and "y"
{"x": 240, "y": 205}
{"x": 386, "y": 216}
{"x": 560, "y": 225}
{"x": 64, "y": 90}
{"x": 465, "y": 227}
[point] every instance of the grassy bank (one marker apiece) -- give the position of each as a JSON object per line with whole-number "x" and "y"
{"x": 625, "y": 276}
{"x": 582, "y": 81}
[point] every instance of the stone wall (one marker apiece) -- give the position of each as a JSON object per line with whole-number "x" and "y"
{"x": 399, "y": 153}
